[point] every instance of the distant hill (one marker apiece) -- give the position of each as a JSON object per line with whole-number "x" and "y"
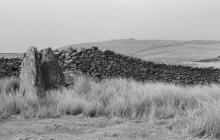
{"x": 167, "y": 51}
{"x": 211, "y": 60}
{"x": 10, "y": 55}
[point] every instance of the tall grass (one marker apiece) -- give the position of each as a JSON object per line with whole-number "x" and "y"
{"x": 198, "y": 106}
{"x": 9, "y": 85}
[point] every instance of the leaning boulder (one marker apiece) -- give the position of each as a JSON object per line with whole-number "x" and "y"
{"x": 31, "y": 81}
{"x": 51, "y": 71}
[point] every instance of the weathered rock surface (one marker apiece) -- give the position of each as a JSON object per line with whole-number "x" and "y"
{"x": 31, "y": 84}
{"x": 52, "y": 74}
{"x": 72, "y": 76}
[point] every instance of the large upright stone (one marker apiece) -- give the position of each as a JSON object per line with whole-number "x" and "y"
{"x": 51, "y": 71}
{"x": 31, "y": 82}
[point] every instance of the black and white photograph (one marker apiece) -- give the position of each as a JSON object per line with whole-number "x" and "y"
{"x": 109, "y": 69}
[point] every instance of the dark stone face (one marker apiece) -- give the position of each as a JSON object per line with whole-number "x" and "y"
{"x": 51, "y": 71}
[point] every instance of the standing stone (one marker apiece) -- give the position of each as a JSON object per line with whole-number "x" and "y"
{"x": 31, "y": 82}
{"x": 51, "y": 71}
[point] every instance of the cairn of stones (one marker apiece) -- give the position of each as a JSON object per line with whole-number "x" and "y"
{"x": 99, "y": 64}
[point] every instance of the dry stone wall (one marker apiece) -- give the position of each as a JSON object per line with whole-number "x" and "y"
{"x": 107, "y": 64}
{"x": 9, "y": 67}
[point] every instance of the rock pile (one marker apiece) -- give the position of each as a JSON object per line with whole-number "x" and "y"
{"x": 107, "y": 64}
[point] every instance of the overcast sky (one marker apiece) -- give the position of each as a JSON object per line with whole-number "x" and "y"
{"x": 57, "y": 23}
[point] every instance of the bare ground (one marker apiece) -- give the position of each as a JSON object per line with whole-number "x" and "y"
{"x": 84, "y": 128}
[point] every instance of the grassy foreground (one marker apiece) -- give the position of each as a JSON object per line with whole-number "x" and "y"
{"x": 195, "y": 109}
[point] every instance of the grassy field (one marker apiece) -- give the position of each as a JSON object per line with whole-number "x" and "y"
{"x": 203, "y": 64}
{"x": 194, "y": 110}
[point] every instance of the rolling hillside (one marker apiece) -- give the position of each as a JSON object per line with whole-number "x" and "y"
{"x": 168, "y": 51}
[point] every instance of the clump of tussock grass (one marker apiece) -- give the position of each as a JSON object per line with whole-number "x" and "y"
{"x": 205, "y": 121}
{"x": 198, "y": 107}
{"x": 9, "y": 85}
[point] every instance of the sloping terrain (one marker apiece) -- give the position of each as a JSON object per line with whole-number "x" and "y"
{"x": 210, "y": 62}
{"x": 168, "y": 51}
{"x": 211, "y": 59}
{"x": 83, "y": 128}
